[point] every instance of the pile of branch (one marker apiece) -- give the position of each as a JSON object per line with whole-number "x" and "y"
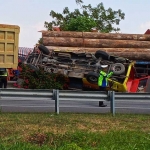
{"x": 131, "y": 46}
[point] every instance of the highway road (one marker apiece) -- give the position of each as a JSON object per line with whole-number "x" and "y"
{"x": 45, "y": 105}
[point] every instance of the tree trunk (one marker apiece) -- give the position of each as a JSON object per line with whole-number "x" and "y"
{"x": 130, "y": 53}
{"x": 95, "y": 43}
{"x": 61, "y": 41}
{"x": 62, "y": 34}
{"x": 97, "y": 35}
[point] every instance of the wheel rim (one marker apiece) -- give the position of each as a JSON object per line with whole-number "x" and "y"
{"x": 117, "y": 68}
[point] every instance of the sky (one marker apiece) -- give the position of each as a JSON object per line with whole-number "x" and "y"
{"x": 30, "y": 15}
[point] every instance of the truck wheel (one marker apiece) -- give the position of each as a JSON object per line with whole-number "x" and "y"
{"x": 44, "y": 49}
{"x": 102, "y": 54}
{"x": 118, "y": 69}
{"x": 92, "y": 77}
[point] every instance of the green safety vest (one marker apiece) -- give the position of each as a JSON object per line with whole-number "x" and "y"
{"x": 3, "y": 72}
{"x": 103, "y": 77}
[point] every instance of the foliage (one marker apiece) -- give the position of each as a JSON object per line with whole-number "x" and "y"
{"x": 103, "y": 18}
{"x": 79, "y": 1}
{"x": 40, "y": 41}
{"x": 39, "y": 79}
{"x": 81, "y": 23}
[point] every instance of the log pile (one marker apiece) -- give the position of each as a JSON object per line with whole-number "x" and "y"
{"x": 131, "y": 46}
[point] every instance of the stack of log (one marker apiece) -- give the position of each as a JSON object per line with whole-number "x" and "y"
{"x": 131, "y": 46}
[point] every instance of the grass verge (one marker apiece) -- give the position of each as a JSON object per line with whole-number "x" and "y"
{"x": 67, "y": 131}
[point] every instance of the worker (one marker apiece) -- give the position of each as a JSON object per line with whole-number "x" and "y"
{"x": 3, "y": 77}
{"x": 103, "y": 81}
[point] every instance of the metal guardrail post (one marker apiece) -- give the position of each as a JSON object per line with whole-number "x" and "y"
{"x": 56, "y": 95}
{"x": 112, "y": 102}
{"x": 0, "y": 93}
{"x": 108, "y": 95}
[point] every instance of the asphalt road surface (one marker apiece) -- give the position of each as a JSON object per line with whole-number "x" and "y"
{"x": 45, "y": 105}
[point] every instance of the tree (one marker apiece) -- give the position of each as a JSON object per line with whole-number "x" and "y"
{"x": 79, "y": 1}
{"x": 81, "y": 23}
{"x": 104, "y": 18}
{"x": 40, "y": 41}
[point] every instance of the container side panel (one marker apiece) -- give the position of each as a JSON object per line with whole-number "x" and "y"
{"x": 2, "y": 47}
{"x": 10, "y": 47}
{"x": 2, "y": 35}
{"x": 11, "y": 36}
{"x": 1, "y": 59}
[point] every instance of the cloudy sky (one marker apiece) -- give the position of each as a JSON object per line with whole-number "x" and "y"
{"x": 30, "y": 15}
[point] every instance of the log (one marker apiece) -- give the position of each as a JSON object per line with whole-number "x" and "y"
{"x": 130, "y": 53}
{"x": 62, "y": 34}
{"x": 97, "y": 35}
{"x": 107, "y": 43}
{"x": 61, "y": 41}
{"x": 116, "y": 36}
{"x": 95, "y": 43}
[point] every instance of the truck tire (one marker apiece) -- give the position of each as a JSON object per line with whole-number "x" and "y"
{"x": 43, "y": 49}
{"x": 92, "y": 77}
{"x": 102, "y": 54}
{"x": 118, "y": 68}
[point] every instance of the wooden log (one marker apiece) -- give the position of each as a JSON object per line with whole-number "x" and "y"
{"x": 62, "y": 34}
{"x": 95, "y": 43}
{"x": 116, "y": 36}
{"x": 130, "y": 53}
{"x": 61, "y": 41}
{"x": 97, "y": 35}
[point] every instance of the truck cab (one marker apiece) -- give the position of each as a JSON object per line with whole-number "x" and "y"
{"x": 141, "y": 81}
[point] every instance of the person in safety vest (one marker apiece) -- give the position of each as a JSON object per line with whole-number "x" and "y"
{"x": 3, "y": 77}
{"x": 103, "y": 81}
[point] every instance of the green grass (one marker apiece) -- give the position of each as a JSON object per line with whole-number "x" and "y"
{"x": 68, "y": 131}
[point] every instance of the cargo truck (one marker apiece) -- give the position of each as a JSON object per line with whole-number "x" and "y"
{"x": 9, "y": 38}
{"x": 9, "y": 41}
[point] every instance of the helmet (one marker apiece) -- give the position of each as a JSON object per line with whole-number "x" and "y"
{"x": 104, "y": 66}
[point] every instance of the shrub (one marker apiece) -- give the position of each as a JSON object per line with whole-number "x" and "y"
{"x": 39, "y": 79}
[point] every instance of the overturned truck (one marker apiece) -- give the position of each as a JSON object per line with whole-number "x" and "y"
{"x": 82, "y": 69}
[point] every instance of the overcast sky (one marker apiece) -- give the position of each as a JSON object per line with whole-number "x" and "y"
{"x": 30, "y": 15}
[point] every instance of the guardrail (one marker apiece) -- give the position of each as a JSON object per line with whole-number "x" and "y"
{"x": 69, "y": 95}
{"x": 26, "y": 93}
{"x": 55, "y": 95}
{"x": 60, "y": 95}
